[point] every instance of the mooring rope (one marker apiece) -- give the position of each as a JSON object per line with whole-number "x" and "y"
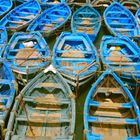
{"x": 22, "y": 104}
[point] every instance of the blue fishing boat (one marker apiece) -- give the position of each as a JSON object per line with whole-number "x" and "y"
{"x": 122, "y": 55}
{"x": 7, "y": 94}
{"x": 27, "y": 54}
{"x": 51, "y": 19}
{"x": 75, "y": 58}
{"x": 21, "y": 16}
{"x": 86, "y": 19}
{"x": 130, "y": 4}
{"x": 120, "y": 21}
{"x": 110, "y": 111}
{"x": 3, "y": 39}
{"x": 45, "y": 110}
{"x": 5, "y": 6}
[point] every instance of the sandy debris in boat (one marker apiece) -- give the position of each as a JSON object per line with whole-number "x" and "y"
{"x": 86, "y": 30}
{"x": 86, "y": 21}
{"x": 116, "y": 57}
{"x": 48, "y": 27}
{"x": 60, "y": 19}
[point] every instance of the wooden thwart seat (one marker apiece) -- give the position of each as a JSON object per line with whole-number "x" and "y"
{"x": 117, "y": 59}
{"x": 17, "y": 22}
{"x": 120, "y": 24}
{"x": 124, "y": 18}
{"x": 123, "y": 63}
{"x": 77, "y": 51}
{"x": 123, "y": 29}
{"x": 110, "y": 105}
{"x": 43, "y": 119}
{"x": 49, "y": 85}
{"x": 25, "y": 17}
{"x": 48, "y": 108}
{"x": 109, "y": 120}
{"x": 118, "y": 12}
{"x": 73, "y": 54}
{"x": 17, "y": 137}
{"x": 110, "y": 90}
{"x": 47, "y": 101}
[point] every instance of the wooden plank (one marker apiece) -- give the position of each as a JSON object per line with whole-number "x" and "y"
{"x": 47, "y": 100}
{"x": 107, "y": 89}
{"x": 67, "y": 50}
{"x": 49, "y": 85}
{"x": 20, "y": 137}
{"x": 43, "y": 119}
{"x": 17, "y": 22}
{"x": 124, "y": 18}
{"x": 25, "y": 17}
{"x": 73, "y": 54}
{"x": 107, "y": 113}
{"x": 110, "y": 105}
{"x": 123, "y": 29}
{"x": 112, "y": 120}
{"x": 121, "y": 24}
{"x": 117, "y": 59}
{"x": 123, "y": 63}
{"x": 48, "y": 109}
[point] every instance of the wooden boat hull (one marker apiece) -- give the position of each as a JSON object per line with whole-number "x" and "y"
{"x": 75, "y": 58}
{"x": 7, "y": 94}
{"x": 122, "y": 55}
{"x": 120, "y": 21}
{"x": 51, "y": 19}
{"x": 50, "y": 108}
{"x": 27, "y": 54}
{"x": 21, "y": 16}
{"x": 110, "y": 107}
{"x": 86, "y": 19}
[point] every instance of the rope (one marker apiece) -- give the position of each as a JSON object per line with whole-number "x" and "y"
{"x": 124, "y": 70}
{"x": 77, "y": 84}
{"x": 22, "y": 104}
{"x": 20, "y": 77}
{"x": 137, "y": 91}
{"x": 89, "y": 66}
{"x": 137, "y": 81}
{"x": 27, "y": 57}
